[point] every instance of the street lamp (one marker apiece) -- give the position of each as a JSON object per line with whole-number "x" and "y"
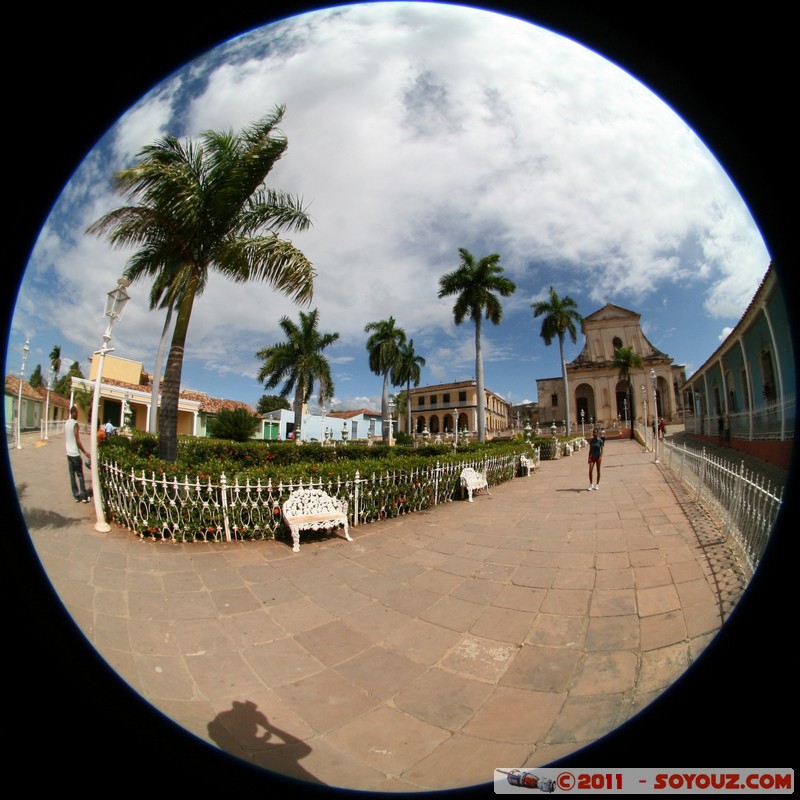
{"x": 116, "y": 300}
{"x": 583, "y": 431}
{"x": 625, "y": 407}
{"x": 391, "y": 411}
{"x": 644, "y": 413}
{"x": 25, "y": 350}
{"x": 654, "y": 383}
{"x": 528, "y": 432}
{"x": 344, "y": 432}
{"x": 50, "y": 374}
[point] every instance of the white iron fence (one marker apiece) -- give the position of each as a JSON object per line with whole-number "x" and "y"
{"x": 747, "y": 503}
{"x": 195, "y": 510}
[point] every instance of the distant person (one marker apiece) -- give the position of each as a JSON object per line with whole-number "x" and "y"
{"x": 109, "y": 429}
{"x": 662, "y": 428}
{"x": 74, "y": 449}
{"x": 596, "y": 444}
{"x": 720, "y": 428}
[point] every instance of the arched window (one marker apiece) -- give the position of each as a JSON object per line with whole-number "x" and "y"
{"x": 616, "y": 343}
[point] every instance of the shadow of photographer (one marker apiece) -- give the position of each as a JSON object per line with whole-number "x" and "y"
{"x": 245, "y": 732}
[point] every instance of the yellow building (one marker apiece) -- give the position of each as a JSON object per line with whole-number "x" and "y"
{"x": 596, "y": 392}
{"x": 436, "y": 408}
{"x": 126, "y": 398}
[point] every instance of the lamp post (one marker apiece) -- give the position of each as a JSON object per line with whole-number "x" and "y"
{"x": 25, "y": 350}
{"x": 644, "y": 413}
{"x": 528, "y": 432}
{"x": 46, "y": 434}
{"x": 344, "y": 432}
{"x": 391, "y": 412}
{"x": 455, "y": 429}
{"x": 654, "y": 383}
{"x": 583, "y": 431}
{"x": 625, "y": 407}
{"x": 116, "y": 300}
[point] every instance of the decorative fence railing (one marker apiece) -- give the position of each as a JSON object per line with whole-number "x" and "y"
{"x": 746, "y": 503}
{"x": 195, "y": 510}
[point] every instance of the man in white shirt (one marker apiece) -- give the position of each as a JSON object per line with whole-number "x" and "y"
{"x": 74, "y": 449}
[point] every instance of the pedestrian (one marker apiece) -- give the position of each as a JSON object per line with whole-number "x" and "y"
{"x": 109, "y": 429}
{"x": 661, "y": 428}
{"x": 74, "y": 449}
{"x": 595, "y": 457}
{"x": 720, "y": 426}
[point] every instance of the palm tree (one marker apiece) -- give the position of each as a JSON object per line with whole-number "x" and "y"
{"x": 55, "y": 362}
{"x": 385, "y": 350}
{"x": 200, "y": 206}
{"x": 626, "y": 360}
{"x": 407, "y": 370}
{"x": 474, "y": 283}
{"x": 299, "y": 363}
{"x": 560, "y": 318}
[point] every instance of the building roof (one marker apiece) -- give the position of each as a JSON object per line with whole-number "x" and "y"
{"x": 354, "y": 413}
{"x": 31, "y": 393}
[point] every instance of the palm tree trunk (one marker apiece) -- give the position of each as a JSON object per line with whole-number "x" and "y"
{"x": 479, "y": 383}
{"x": 566, "y": 383}
{"x": 408, "y": 407}
{"x": 298, "y": 410}
{"x": 385, "y": 408}
{"x": 153, "y": 425}
{"x": 170, "y": 396}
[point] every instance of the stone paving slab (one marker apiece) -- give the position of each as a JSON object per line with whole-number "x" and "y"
{"x": 516, "y": 628}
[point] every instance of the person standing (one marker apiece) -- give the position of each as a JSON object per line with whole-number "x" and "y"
{"x": 74, "y": 449}
{"x": 595, "y": 457}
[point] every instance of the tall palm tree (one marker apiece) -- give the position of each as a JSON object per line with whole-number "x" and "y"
{"x": 561, "y": 317}
{"x": 55, "y": 362}
{"x": 407, "y": 370}
{"x": 299, "y": 363}
{"x": 475, "y": 283}
{"x": 385, "y": 346}
{"x": 202, "y": 205}
{"x": 626, "y": 360}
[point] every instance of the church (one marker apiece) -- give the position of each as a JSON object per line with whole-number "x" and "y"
{"x": 597, "y": 395}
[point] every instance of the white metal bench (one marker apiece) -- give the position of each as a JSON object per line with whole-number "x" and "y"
{"x": 530, "y": 463}
{"x": 474, "y": 481}
{"x": 313, "y": 509}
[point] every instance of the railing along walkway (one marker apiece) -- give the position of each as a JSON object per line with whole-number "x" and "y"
{"x": 195, "y": 510}
{"x": 747, "y": 503}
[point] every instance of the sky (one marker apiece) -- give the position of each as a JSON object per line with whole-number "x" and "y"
{"x": 414, "y": 130}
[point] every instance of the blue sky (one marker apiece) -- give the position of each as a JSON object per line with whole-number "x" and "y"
{"x": 412, "y": 134}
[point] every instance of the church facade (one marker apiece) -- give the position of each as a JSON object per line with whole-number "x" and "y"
{"x": 597, "y": 395}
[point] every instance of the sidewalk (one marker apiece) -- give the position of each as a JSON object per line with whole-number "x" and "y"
{"x": 508, "y": 632}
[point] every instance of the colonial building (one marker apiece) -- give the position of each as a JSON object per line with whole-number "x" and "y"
{"x": 126, "y": 398}
{"x": 749, "y": 383}
{"x": 438, "y": 409}
{"x": 596, "y": 392}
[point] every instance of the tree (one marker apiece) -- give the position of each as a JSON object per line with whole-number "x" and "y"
{"x": 63, "y": 386}
{"x": 237, "y": 424}
{"x": 55, "y": 361}
{"x": 560, "y": 318}
{"x": 36, "y": 380}
{"x": 407, "y": 370}
{"x": 202, "y": 205}
{"x": 272, "y": 402}
{"x": 626, "y": 360}
{"x": 385, "y": 346}
{"x": 299, "y": 363}
{"x": 476, "y": 285}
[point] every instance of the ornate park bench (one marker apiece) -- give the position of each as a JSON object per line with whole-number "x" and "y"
{"x": 530, "y": 463}
{"x": 474, "y": 481}
{"x": 313, "y": 509}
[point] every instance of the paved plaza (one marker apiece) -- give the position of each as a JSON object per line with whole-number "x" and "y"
{"x": 507, "y": 632}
